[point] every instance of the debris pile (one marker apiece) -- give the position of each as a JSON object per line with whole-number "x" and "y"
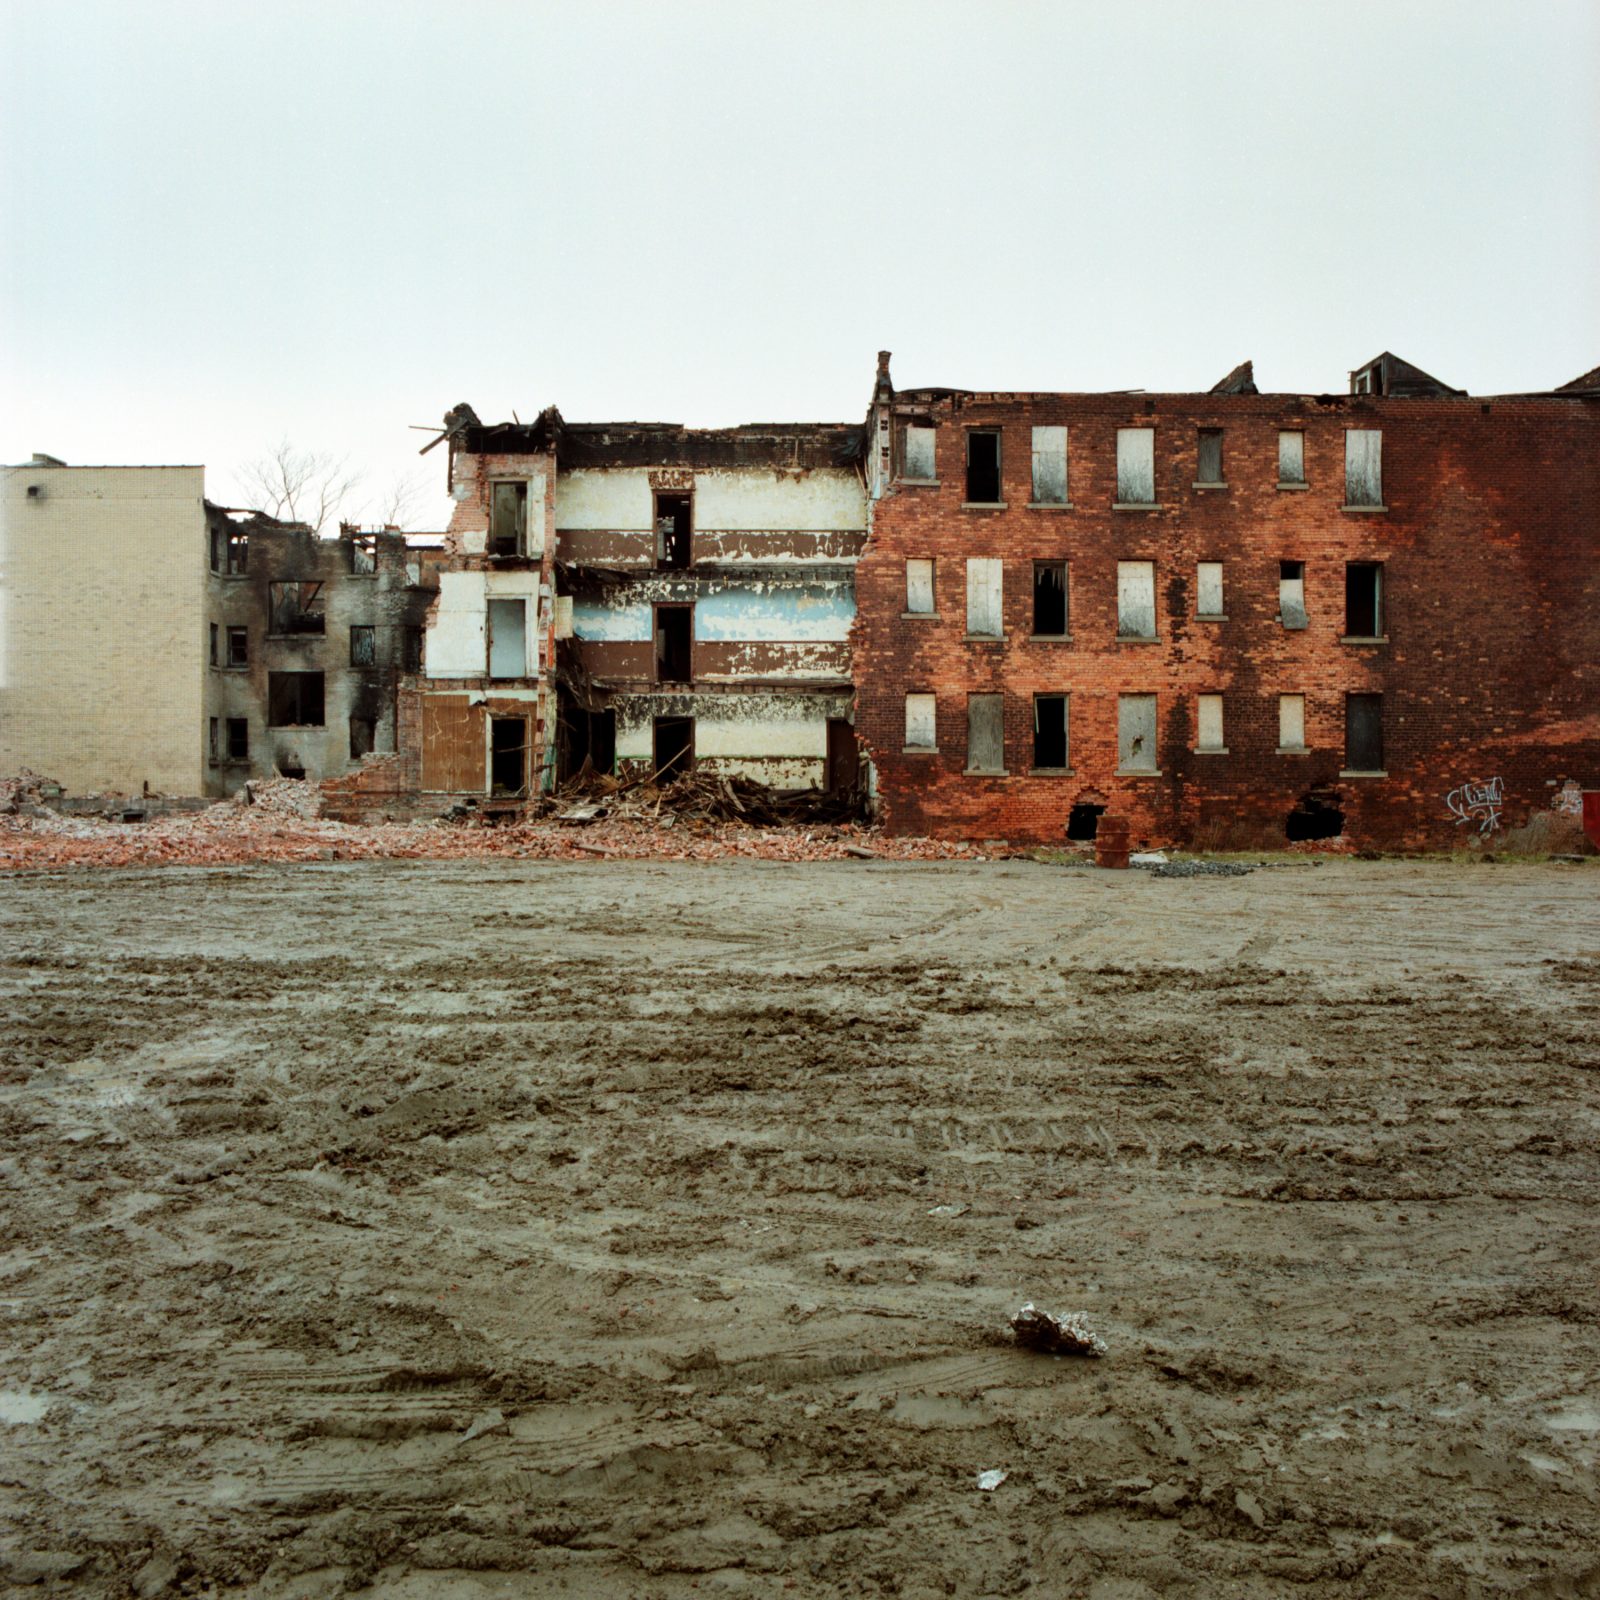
{"x": 1056, "y": 1336}
{"x": 26, "y": 789}
{"x": 703, "y": 796}
{"x": 282, "y": 797}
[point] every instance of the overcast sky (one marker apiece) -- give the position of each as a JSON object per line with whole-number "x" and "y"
{"x": 226, "y": 224}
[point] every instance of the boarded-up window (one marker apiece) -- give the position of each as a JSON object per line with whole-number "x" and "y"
{"x": 1363, "y": 732}
{"x": 920, "y": 733}
{"x": 1208, "y": 466}
{"x": 1136, "y": 600}
{"x": 1363, "y": 467}
{"x": 919, "y": 453}
{"x": 1208, "y": 722}
{"x": 363, "y": 645}
{"x": 1292, "y": 594}
{"x": 1136, "y": 466}
{"x": 508, "y": 638}
{"x": 1050, "y": 731}
{"x": 983, "y": 597}
{"x": 508, "y": 518}
{"x": 1291, "y": 722}
{"x": 1136, "y": 732}
{"x": 1208, "y": 589}
{"x": 986, "y": 733}
{"x": 1050, "y": 466}
{"x": 1291, "y": 456}
{"x": 919, "y": 588}
{"x": 1363, "y": 600}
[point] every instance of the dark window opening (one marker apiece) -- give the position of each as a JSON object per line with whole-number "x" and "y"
{"x": 363, "y": 646}
{"x": 294, "y": 699}
{"x": 588, "y": 739}
{"x": 291, "y": 769}
{"x": 297, "y": 608}
{"x": 363, "y": 737}
{"x": 238, "y": 738}
{"x": 1210, "y": 456}
{"x": 674, "y": 530}
{"x": 983, "y": 468}
{"x": 364, "y": 552}
{"x": 1316, "y": 817}
{"x": 1049, "y": 730}
{"x": 238, "y": 647}
{"x": 674, "y": 647}
{"x": 508, "y": 741}
{"x": 238, "y": 554}
{"x": 214, "y": 631}
{"x": 1292, "y": 594}
{"x": 1050, "y": 597}
{"x": 1083, "y": 821}
{"x": 844, "y": 757}
{"x": 215, "y": 741}
{"x": 1363, "y": 732}
{"x": 411, "y": 642}
{"x": 1363, "y": 600}
{"x": 674, "y": 746}
{"x": 216, "y": 549}
{"x": 508, "y": 519}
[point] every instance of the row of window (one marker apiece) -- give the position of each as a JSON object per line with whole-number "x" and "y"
{"x": 229, "y": 737}
{"x": 1136, "y": 597}
{"x": 1136, "y": 731}
{"x": 363, "y": 646}
{"x": 1136, "y": 464}
{"x": 230, "y": 552}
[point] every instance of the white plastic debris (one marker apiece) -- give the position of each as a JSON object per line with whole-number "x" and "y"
{"x": 1148, "y": 858}
{"x": 1068, "y": 1335}
{"x": 992, "y": 1479}
{"x": 948, "y": 1211}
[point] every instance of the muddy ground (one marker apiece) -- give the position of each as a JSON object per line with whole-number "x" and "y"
{"x": 502, "y": 1228}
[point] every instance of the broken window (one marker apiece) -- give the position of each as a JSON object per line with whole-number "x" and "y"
{"x": 297, "y": 608}
{"x": 983, "y": 468}
{"x": 1208, "y": 723}
{"x": 1208, "y": 589}
{"x": 1291, "y": 722}
{"x": 238, "y": 647}
{"x": 215, "y": 741}
{"x": 1050, "y": 466}
{"x": 674, "y": 530}
{"x": 674, "y": 644}
{"x": 920, "y": 731}
{"x": 294, "y": 699}
{"x": 674, "y": 746}
{"x": 1136, "y": 599}
{"x": 1050, "y": 599}
{"x": 1136, "y": 733}
{"x": 1363, "y": 600}
{"x": 508, "y": 519}
{"x": 1363, "y": 732}
{"x": 1209, "y": 456}
{"x": 1363, "y": 467}
{"x": 238, "y": 738}
{"x": 364, "y": 645}
{"x": 364, "y": 552}
{"x": 1050, "y": 732}
{"x": 984, "y": 618}
{"x": 214, "y": 631}
{"x": 1292, "y": 594}
{"x": 508, "y": 638}
{"x": 508, "y": 755}
{"x": 363, "y": 737}
{"x": 238, "y": 553}
{"x": 1317, "y": 816}
{"x": 1291, "y": 456}
{"x": 986, "y": 733}
{"x": 919, "y": 588}
{"x": 1136, "y": 466}
{"x": 919, "y": 454}
{"x": 411, "y": 644}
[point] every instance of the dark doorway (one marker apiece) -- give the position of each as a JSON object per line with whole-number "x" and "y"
{"x": 674, "y": 530}
{"x": 674, "y": 746}
{"x": 1083, "y": 822}
{"x": 1363, "y": 732}
{"x": 844, "y": 756}
{"x": 1316, "y": 817}
{"x": 586, "y": 736}
{"x": 674, "y": 650}
{"x": 508, "y": 755}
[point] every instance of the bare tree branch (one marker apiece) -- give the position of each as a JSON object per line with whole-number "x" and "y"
{"x": 399, "y": 504}
{"x": 308, "y": 486}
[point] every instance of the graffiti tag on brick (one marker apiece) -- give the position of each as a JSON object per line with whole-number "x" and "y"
{"x": 1477, "y": 802}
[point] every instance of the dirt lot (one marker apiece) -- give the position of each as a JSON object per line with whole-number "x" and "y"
{"x": 511, "y": 1228}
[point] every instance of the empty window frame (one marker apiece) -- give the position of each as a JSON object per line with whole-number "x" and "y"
{"x": 1292, "y": 594}
{"x": 1136, "y": 599}
{"x": 1291, "y": 723}
{"x": 1050, "y": 466}
{"x": 1291, "y": 458}
{"x": 1050, "y": 732}
{"x": 216, "y": 549}
{"x": 983, "y": 467}
{"x": 297, "y": 608}
{"x": 1050, "y": 599}
{"x": 238, "y": 554}
{"x": 1208, "y": 601}
{"x": 1363, "y": 733}
{"x": 214, "y": 744}
{"x": 984, "y": 597}
{"x": 673, "y": 745}
{"x": 411, "y": 647}
{"x": 1363, "y": 468}
{"x": 674, "y": 525}
{"x": 1363, "y": 600}
{"x": 1208, "y": 725}
{"x": 508, "y": 518}
{"x": 1208, "y": 457}
{"x": 508, "y": 755}
{"x": 294, "y": 699}
{"x": 1136, "y": 466}
{"x": 364, "y": 553}
{"x": 215, "y": 630}
{"x": 238, "y": 738}
{"x": 921, "y": 730}
{"x": 674, "y": 644}
{"x": 363, "y": 737}
{"x": 238, "y": 647}
{"x": 918, "y": 460}
{"x": 986, "y": 733}
{"x": 364, "y": 645}
{"x": 1136, "y": 733}
{"x": 919, "y": 588}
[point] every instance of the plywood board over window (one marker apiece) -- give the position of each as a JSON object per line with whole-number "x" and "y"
{"x": 1363, "y": 467}
{"x": 1136, "y": 733}
{"x": 1208, "y": 589}
{"x": 1136, "y": 466}
{"x": 920, "y": 734}
{"x": 1291, "y": 722}
{"x": 1291, "y": 456}
{"x": 508, "y": 639}
{"x": 1050, "y": 466}
{"x": 919, "y": 587}
{"x": 1208, "y": 732}
{"x": 919, "y": 453}
{"x": 984, "y": 597}
{"x": 986, "y": 733}
{"x": 1136, "y": 600}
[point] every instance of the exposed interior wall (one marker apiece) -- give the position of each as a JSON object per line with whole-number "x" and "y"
{"x": 779, "y": 738}
{"x": 726, "y": 500}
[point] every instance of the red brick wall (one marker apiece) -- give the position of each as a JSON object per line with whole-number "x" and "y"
{"x": 1492, "y": 614}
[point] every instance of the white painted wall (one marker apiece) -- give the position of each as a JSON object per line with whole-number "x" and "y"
{"x": 456, "y": 644}
{"x": 619, "y": 499}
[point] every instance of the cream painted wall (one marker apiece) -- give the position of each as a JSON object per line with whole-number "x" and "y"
{"x": 619, "y": 499}
{"x": 457, "y": 645}
{"x": 102, "y": 627}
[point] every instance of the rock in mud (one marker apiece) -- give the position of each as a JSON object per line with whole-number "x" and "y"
{"x": 1067, "y": 1335}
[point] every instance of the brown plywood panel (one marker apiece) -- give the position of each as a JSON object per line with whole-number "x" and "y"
{"x": 452, "y": 745}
